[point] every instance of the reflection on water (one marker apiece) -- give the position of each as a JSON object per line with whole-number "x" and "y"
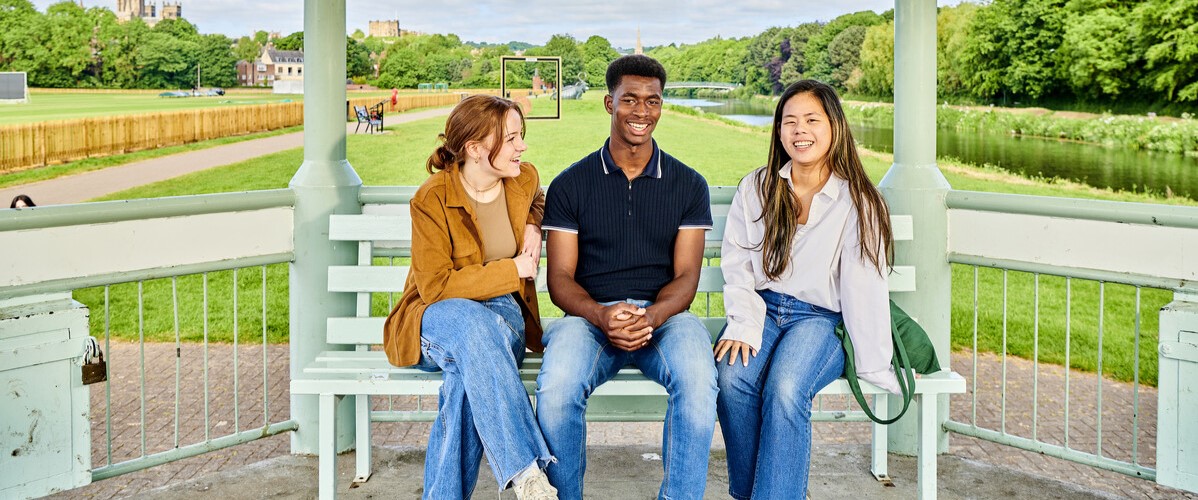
{"x": 1121, "y": 169}
{"x": 1117, "y": 168}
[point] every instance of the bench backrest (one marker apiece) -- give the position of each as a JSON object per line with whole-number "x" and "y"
{"x": 387, "y": 230}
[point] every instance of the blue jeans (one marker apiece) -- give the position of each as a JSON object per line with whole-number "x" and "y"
{"x": 579, "y": 358}
{"x": 483, "y": 404}
{"x": 765, "y": 408}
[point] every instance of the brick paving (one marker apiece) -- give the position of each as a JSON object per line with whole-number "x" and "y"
{"x": 165, "y": 371}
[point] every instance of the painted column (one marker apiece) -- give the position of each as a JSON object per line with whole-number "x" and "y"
{"x": 915, "y": 186}
{"x": 325, "y": 184}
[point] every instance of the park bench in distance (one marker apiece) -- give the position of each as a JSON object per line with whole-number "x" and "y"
{"x": 384, "y": 229}
{"x": 373, "y": 118}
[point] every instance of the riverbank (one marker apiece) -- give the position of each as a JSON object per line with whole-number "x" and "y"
{"x": 1152, "y": 133}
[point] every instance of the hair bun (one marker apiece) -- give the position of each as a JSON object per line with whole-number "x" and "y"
{"x": 441, "y": 159}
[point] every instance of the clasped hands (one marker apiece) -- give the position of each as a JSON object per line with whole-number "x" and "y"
{"x": 628, "y": 326}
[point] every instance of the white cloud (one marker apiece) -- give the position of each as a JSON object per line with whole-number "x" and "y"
{"x": 532, "y": 21}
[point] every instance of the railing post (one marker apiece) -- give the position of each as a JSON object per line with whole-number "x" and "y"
{"x": 1176, "y": 439}
{"x": 915, "y": 186}
{"x": 325, "y": 184}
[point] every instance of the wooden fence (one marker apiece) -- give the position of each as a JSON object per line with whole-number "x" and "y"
{"x": 37, "y": 144}
{"x": 403, "y": 103}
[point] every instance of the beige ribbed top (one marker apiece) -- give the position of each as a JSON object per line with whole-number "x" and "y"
{"x": 495, "y": 228}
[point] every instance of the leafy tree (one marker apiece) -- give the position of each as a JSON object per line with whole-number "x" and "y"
{"x": 952, "y": 28}
{"x": 566, "y": 47}
{"x": 119, "y": 42}
{"x": 1096, "y": 53}
{"x": 64, "y": 51}
{"x": 218, "y": 64}
{"x": 844, "y": 55}
{"x": 816, "y": 52}
{"x": 18, "y": 19}
{"x": 165, "y": 61}
{"x": 357, "y": 59}
{"x": 400, "y": 69}
{"x": 877, "y": 61}
{"x": 797, "y": 66}
{"x": 294, "y": 41}
{"x": 247, "y": 49}
{"x": 597, "y": 53}
{"x": 1012, "y": 46}
{"x": 764, "y": 60}
{"x": 1167, "y": 33}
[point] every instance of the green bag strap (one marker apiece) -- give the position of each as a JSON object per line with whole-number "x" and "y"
{"x": 906, "y": 377}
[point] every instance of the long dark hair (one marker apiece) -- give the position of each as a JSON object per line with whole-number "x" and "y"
{"x": 21, "y": 197}
{"x": 780, "y": 205}
{"x": 477, "y": 118}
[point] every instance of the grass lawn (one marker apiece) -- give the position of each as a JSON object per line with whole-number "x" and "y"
{"x": 723, "y": 153}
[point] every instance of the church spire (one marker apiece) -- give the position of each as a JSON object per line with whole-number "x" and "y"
{"x": 639, "y": 48}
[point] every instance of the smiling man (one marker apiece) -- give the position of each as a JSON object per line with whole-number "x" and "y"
{"x": 626, "y": 229}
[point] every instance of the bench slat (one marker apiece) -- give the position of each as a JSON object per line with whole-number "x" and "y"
{"x": 370, "y": 227}
{"x": 902, "y": 227}
{"x": 902, "y": 279}
{"x": 369, "y": 330}
{"x": 367, "y": 278}
{"x": 372, "y": 367}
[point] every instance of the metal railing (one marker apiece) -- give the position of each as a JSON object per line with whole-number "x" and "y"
{"x": 154, "y": 293}
{"x": 1059, "y": 421}
{"x": 1079, "y": 329}
{"x": 166, "y": 430}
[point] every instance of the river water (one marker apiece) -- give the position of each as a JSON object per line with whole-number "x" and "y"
{"x": 1117, "y": 168}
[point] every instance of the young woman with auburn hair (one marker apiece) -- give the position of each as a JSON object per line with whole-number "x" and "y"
{"x": 469, "y": 306}
{"x": 807, "y": 243}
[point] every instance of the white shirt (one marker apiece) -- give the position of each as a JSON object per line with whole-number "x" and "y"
{"x": 826, "y": 269}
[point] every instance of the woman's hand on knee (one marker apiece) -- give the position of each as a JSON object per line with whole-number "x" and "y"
{"x": 732, "y": 348}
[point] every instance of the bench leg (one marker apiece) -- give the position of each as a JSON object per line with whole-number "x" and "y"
{"x": 880, "y": 444}
{"x": 362, "y": 430}
{"x": 927, "y": 445}
{"x": 328, "y": 446}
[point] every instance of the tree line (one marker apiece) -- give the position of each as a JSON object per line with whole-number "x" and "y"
{"x": 1142, "y": 51}
{"x": 72, "y": 47}
{"x": 1004, "y": 50}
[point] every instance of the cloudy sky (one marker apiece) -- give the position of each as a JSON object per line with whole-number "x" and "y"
{"x": 533, "y": 21}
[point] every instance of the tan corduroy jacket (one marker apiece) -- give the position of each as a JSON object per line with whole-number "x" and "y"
{"x": 447, "y": 258}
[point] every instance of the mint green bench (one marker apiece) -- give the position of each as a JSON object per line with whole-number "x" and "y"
{"x": 385, "y": 230}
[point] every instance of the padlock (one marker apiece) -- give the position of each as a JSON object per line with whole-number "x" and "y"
{"x": 95, "y": 370}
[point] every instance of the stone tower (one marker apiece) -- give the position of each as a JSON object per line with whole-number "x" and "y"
{"x": 384, "y": 28}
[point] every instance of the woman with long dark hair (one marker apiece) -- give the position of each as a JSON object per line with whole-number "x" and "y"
{"x": 469, "y": 307}
{"x": 807, "y": 243}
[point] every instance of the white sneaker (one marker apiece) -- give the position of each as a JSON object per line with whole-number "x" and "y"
{"x": 535, "y": 486}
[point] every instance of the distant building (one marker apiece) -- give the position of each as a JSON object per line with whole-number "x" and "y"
{"x": 139, "y": 9}
{"x": 270, "y": 67}
{"x": 384, "y": 28}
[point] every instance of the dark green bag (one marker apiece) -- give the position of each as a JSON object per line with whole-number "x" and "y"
{"x": 913, "y": 353}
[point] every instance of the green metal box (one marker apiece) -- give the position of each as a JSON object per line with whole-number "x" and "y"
{"x": 1177, "y": 411}
{"x": 45, "y": 433}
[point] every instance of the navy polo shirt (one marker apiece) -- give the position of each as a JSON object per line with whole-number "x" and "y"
{"x": 626, "y": 229}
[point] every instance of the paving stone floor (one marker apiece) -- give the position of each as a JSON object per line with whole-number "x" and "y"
{"x": 181, "y": 381}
